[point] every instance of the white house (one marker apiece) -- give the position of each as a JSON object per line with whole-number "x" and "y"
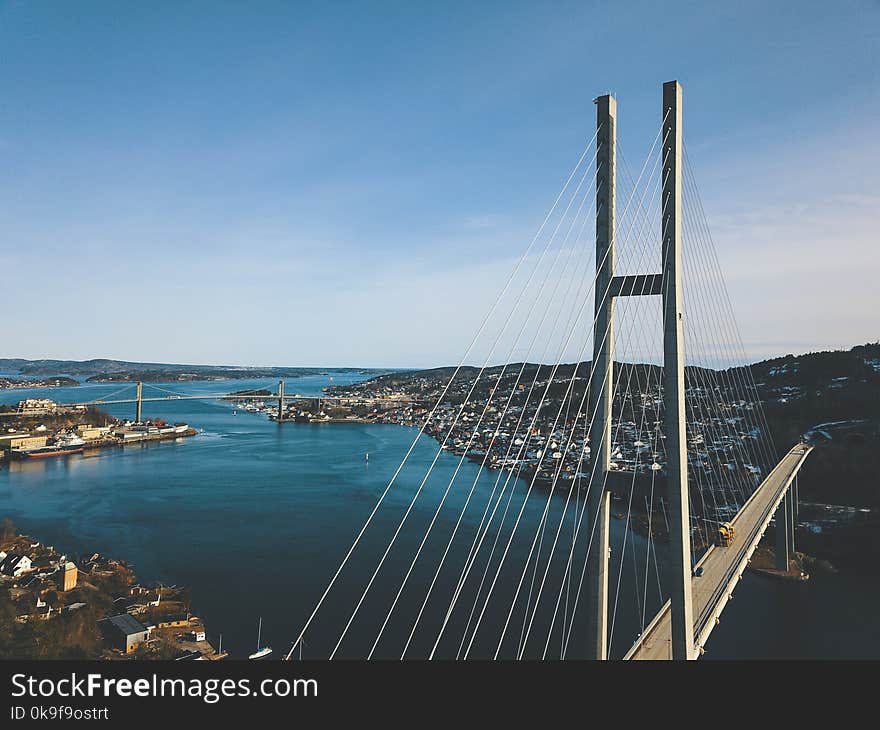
{"x": 15, "y": 565}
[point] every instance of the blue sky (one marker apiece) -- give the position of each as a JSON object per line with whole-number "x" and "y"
{"x": 350, "y": 183}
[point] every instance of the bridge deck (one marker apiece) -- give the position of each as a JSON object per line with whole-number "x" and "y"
{"x": 723, "y": 567}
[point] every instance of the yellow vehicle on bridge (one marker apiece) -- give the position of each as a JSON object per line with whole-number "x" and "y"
{"x": 725, "y": 534}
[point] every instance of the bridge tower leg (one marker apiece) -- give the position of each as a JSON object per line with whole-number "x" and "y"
{"x": 138, "y": 403}
{"x": 791, "y": 495}
{"x": 673, "y": 376}
{"x": 280, "y": 401}
{"x": 598, "y": 505}
{"x": 783, "y": 525}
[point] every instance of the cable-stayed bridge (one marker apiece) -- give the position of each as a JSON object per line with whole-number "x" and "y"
{"x": 665, "y": 420}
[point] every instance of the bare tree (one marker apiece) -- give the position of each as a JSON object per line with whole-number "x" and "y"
{"x": 7, "y": 529}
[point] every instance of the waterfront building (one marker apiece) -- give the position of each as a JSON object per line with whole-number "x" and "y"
{"x": 128, "y": 434}
{"x": 124, "y": 632}
{"x": 88, "y": 433}
{"x": 22, "y": 440}
{"x": 175, "y": 620}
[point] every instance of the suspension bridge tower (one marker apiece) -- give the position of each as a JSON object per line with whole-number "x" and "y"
{"x": 139, "y": 401}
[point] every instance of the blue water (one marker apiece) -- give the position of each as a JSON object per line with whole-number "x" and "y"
{"x": 255, "y": 517}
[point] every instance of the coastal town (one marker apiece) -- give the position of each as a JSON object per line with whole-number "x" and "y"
{"x": 39, "y": 428}
{"x": 57, "y": 606}
{"x": 497, "y": 421}
{"x": 500, "y": 427}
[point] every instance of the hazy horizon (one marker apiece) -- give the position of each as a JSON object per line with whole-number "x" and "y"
{"x": 383, "y": 367}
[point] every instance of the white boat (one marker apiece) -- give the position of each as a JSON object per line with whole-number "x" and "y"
{"x": 69, "y": 441}
{"x": 261, "y": 651}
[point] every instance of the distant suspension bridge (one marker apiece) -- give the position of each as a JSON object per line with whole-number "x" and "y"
{"x": 279, "y": 397}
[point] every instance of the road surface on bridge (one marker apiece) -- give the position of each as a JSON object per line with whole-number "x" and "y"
{"x": 723, "y": 566}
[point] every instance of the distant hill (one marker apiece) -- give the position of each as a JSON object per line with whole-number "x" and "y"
{"x": 105, "y": 370}
{"x": 801, "y": 391}
{"x": 835, "y": 395}
{"x": 815, "y": 369}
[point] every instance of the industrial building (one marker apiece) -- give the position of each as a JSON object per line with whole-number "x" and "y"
{"x": 124, "y": 632}
{"x": 23, "y": 441}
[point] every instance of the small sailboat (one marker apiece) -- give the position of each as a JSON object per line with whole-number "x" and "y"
{"x": 261, "y": 651}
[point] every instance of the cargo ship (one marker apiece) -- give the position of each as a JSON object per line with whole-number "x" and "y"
{"x": 63, "y": 446}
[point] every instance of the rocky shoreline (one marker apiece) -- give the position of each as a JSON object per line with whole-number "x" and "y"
{"x": 56, "y": 606}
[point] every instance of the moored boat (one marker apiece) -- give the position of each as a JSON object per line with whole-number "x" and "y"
{"x": 63, "y": 446}
{"x": 263, "y": 651}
